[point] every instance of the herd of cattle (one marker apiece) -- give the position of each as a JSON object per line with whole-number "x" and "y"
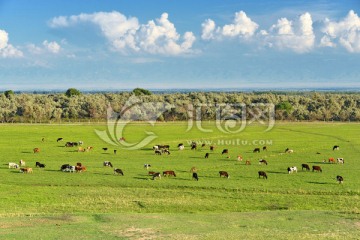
{"x": 165, "y": 149}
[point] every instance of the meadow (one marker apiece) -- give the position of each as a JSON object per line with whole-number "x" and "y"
{"x": 96, "y": 204}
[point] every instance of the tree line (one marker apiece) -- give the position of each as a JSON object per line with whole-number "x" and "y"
{"x": 289, "y": 106}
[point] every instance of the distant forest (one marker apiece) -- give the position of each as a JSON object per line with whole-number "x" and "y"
{"x": 78, "y": 107}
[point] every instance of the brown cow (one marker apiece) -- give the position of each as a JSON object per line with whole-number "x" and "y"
{"x": 26, "y": 170}
{"x": 36, "y": 150}
{"x": 263, "y": 161}
{"x": 331, "y": 160}
{"x": 80, "y": 168}
{"x": 247, "y": 162}
{"x": 316, "y": 168}
{"x": 264, "y": 148}
{"x": 212, "y": 148}
{"x": 262, "y": 174}
{"x": 225, "y": 151}
{"x": 169, "y": 173}
{"x": 224, "y": 174}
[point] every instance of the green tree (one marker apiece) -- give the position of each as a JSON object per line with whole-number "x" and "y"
{"x": 72, "y": 92}
{"x": 8, "y": 93}
{"x": 141, "y": 91}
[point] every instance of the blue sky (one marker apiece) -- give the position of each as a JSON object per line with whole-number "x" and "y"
{"x": 123, "y": 44}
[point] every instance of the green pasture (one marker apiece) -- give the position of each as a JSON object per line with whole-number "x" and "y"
{"x": 97, "y": 204}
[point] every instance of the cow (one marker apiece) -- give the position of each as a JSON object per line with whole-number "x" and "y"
{"x": 340, "y": 160}
{"x": 80, "y": 169}
{"x": 105, "y": 149}
{"x": 292, "y": 169}
{"x": 304, "y": 165}
{"x": 206, "y": 155}
{"x": 67, "y": 168}
{"x": 156, "y": 175}
{"x": 212, "y": 148}
{"x": 203, "y": 145}
{"x": 193, "y": 169}
{"x": 59, "y": 139}
{"x": 225, "y": 151}
{"x": 118, "y": 171}
{"x": 13, "y": 165}
{"x": 166, "y": 151}
{"x": 247, "y": 162}
{"x": 262, "y": 174}
{"x": 263, "y": 161}
{"x": 331, "y": 160}
{"x": 264, "y": 148}
{"x": 157, "y": 152}
{"x": 79, "y": 164}
{"x": 40, "y": 165}
{"x": 69, "y": 144}
{"x": 256, "y": 150}
{"x": 115, "y": 151}
{"x": 288, "y": 150}
{"x": 63, "y": 167}
{"x": 81, "y": 149}
{"x": 22, "y": 163}
{"x": 81, "y": 143}
{"x": 224, "y": 174}
{"x": 151, "y": 173}
{"x": 26, "y": 170}
{"x": 336, "y": 147}
{"x": 340, "y": 179}
{"x": 156, "y": 147}
{"x": 195, "y": 176}
{"x": 169, "y": 173}
{"x": 239, "y": 158}
{"x": 36, "y": 150}
{"x": 107, "y": 164}
{"x": 316, "y": 168}
{"x": 193, "y": 146}
{"x": 181, "y": 146}
{"x": 147, "y": 166}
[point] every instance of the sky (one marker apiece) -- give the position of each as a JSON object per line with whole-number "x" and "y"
{"x": 187, "y": 44}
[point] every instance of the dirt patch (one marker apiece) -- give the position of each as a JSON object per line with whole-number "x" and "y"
{"x": 139, "y": 233}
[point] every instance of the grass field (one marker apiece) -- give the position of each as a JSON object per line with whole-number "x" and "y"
{"x": 97, "y": 204}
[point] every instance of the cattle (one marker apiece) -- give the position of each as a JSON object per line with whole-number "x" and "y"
{"x": 193, "y": 146}
{"x": 156, "y": 147}
{"x": 166, "y": 151}
{"x": 195, "y": 176}
{"x": 79, "y": 164}
{"x": 163, "y": 147}
{"x": 40, "y": 165}
{"x": 22, "y": 163}
{"x": 67, "y": 168}
{"x": 81, "y": 143}
{"x": 105, "y": 149}
{"x": 75, "y": 144}
{"x": 26, "y": 170}
{"x": 43, "y": 139}
{"x": 224, "y": 174}
{"x": 225, "y": 151}
{"x": 36, "y": 150}
{"x": 331, "y": 160}
{"x": 336, "y": 147}
{"x": 340, "y": 179}
{"x": 157, "y": 152}
{"x": 340, "y": 160}
{"x": 206, "y": 155}
{"x": 69, "y": 144}
{"x": 262, "y": 174}
{"x": 247, "y": 162}
{"x": 147, "y": 166}
{"x": 118, "y": 171}
{"x": 80, "y": 169}
{"x": 115, "y": 151}
{"x": 181, "y": 146}
{"x": 193, "y": 169}
{"x": 107, "y": 164}
{"x": 263, "y": 161}
{"x": 59, "y": 139}
{"x": 256, "y": 150}
{"x": 63, "y": 167}
{"x": 304, "y": 165}
{"x": 239, "y": 158}
{"x": 156, "y": 175}
{"x": 81, "y": 149}
{"x": 292, "y": 169}
{"x": 288, "y": 150}
{"x": 151, "y": 173}
{"x": 264, "y": 148}
{"x": 169, "y": 173}
{"x": 203, "y": 145}
{"x": 13, "y": 165}
{"x": 212, "y": 148}
{"x": 316, "y": 168}
{"x": 89, "y": 148}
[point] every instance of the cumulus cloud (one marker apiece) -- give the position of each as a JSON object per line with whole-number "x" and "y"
{"x": 46, "y": 47}
{"x": 124, "y": 34}
{"x": 297, "y": 36}
{"x": 7, "y": 50}
{"x": 242, "y": 27}
{"x": 52, "y": 47}
{"x": 345, "y": 32}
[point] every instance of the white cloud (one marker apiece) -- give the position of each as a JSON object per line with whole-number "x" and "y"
{"x": 297, "y": 36}
{"x": 346, "y": 32}
{"x": 124, "y": 34}
{"x": 46, "y": 47}
{"x": 208, "y": 29}
{"x": 52, "y": 47}
{"x": 7, "y": 50}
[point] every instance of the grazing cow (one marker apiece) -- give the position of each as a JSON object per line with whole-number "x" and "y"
{"x": 59, "y": 139}
{"x": 262, "y": 174}
{"x": 193, "y": 146}
{"x": 212, "y": 148}
{"x": 107, "y": 164}
{"x": 336, "y": 147}
{"x": 256, "y": 150}
{"x": 203, "y": 145}
{"x": 340, "y": 160}
{"x": 206, "y": 155}
{"x": 239, "y": 158}
{"x": 156, "y": 147}
{"x": 67, "y": 168}
{"x": 63, "y": 167}
{"x": 247, "y": 162}
{"x": 195, "y": 176}
{"x": 264, "y": 148}
{"x": 36, "y": 150}
{"x": 169, "y": 173}
{"x": 156, "y": 175}
{"x": 304, "y": 165}
{"x": 331, "y": 160}
{"x": 288, "y": 150}
{"x": 147, "y": 166}
{"x": 22, "y": 163}
{"x": 151, "y": 173}
{"x": 40, "y": 165}
{"x": 80, "y": 168}
{"x": 69, "y": 144}
{"x": 181, "y": 146}
{"x": 292, "y": 169}
{"x": 105, "y": 149}
{"x": 224, "y": 174}
{"x": 13, "y": 165}
{"x": 157, "y": 152}
{"x": 340, "y": 179}
{"x": 225, "y": 151}
{"x": 263, "y": 161}
{"x": 115, "y": 151}
{"x": 166, "y": 151}
{"x": 26, "y": 170}
{"x": 81, "y": 149}
{"x": 89, "y": 148}
{"x": 79, "y": 164}
{"x": 81, "y": 143}
{"x": 316, "y": 168}
{"x": 118, "y": 171}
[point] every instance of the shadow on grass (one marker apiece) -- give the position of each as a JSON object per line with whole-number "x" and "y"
{"x": 319, "y": 183}
{"x": 27, "y": 152}
{"x": 277, "y": 172}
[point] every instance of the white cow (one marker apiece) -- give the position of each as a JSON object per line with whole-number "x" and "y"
{"x": 13, "y": 165}
{"x": 340, "y": 160}
{"x": 22, "y": 163}
{"x": 292, "y": 169}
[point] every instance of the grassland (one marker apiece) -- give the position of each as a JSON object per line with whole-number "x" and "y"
{"x": 99, "y": 205}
